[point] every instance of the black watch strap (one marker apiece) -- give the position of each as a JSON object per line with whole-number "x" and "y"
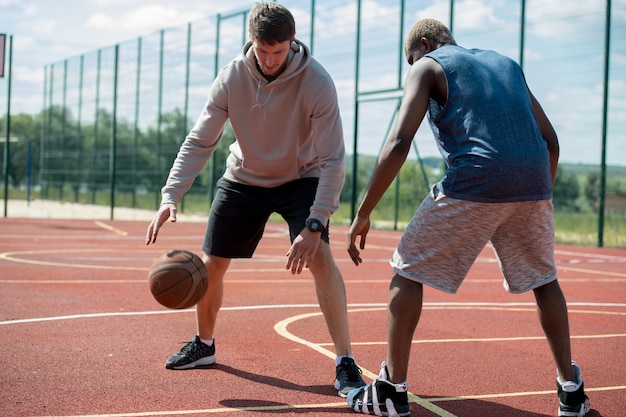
{"x": 314, "y": 225}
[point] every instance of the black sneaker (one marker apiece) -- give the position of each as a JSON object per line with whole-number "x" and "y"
{"x": 193, "y": 354}
{"x": 348, "y": 377}
{"x": 573, "y": 402}
{"x": 381, "y": 397}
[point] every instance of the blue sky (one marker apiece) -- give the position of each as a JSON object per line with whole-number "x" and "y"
{"x": 564, "y": 50}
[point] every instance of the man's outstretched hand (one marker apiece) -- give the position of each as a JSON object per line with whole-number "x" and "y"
{"x": 360, "y": 227}
{"x": 166, "y": 211}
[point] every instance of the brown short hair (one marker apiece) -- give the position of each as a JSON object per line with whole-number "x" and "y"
{"x": 430, "y": 29}
{"x": 271, "y": 23}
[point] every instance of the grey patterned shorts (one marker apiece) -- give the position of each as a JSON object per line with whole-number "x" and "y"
{"x": 446, "y": 235}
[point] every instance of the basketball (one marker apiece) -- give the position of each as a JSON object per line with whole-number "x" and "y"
{"x": 178, "y": 279}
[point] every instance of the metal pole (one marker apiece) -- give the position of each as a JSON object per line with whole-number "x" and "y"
{"x": 62, "y": 164}
{"x": 157, "y": 165}
{"x": 95, "y": 167}
{"x": 186, "y": 104}
{"x": 312, "y": 26}
{"x": 355, "y": 155}
{"x": 187, "y": 81}
{"x": 54, "y": 135}
{"x": 213, "y": 176}
{"x": 136, "y": 127}
{"x": 50, "y": 177}
{"x": 605, "y": 107}
{"x": 522, "y": 40}
{"x": 422, "y": 168}
{"x": 400, "y": 45}
{"x": 8, "y": 130}
{"x": 452, "y": 16}
{"x": 396, "y": 200}
{"x": 112, "y": 157}
{"x": 29, "y": 171}
{"x": 42, "y": 133}
{"x": 79, "y": 125}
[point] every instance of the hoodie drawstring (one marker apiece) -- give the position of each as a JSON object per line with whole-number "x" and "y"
{"x": 258, "y": 104}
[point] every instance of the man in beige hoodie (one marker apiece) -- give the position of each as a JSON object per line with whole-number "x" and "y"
{"x": 288, "y": 158}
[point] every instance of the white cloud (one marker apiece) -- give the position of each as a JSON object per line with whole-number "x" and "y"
{"x": 139, "y": 21}
{"x": 108, "y": 2}
{"x": 475, "y": 14}
{"x": 549, "y": 19}
{"x": 28, "y": 74}
{"x": 43, "y": 26}
{"x": 340, "y": 21}
{"x": 374, "y": 14}
{"x": 18, "y": 8}
{"x": 337, "y": 21}
{"x": 468, "y": 14}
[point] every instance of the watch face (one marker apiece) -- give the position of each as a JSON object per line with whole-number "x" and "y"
{"x": 314, "y": 225}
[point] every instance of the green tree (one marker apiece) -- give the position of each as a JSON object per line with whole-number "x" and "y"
{"x": 566, "y": 191}
{"x": 365, "y": 167}
{"x": 26, "y": 129}
{"x": 616, "y": 185}
{"x": 591, "y": 186}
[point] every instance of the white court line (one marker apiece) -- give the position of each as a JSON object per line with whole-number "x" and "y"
{"x": 262, "y": 408}
{"x": 110, "y": 228}
{"x": 281, "y": 329}
{"x": 591, "y": 255}
{"x": 288, "y": 306}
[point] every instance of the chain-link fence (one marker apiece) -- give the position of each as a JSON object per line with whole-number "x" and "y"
{"x": 112, "y": 119}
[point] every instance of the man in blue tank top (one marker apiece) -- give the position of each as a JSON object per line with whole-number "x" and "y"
{"x": 501, "y": 153}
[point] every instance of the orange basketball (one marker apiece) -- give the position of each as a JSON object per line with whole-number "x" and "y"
{"x": 178, "y": 279}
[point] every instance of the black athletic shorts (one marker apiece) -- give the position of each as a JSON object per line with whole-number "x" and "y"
{"x": 239, "y": 213}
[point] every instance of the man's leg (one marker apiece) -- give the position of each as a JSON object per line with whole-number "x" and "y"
{"x": 403, "y": 314}
{"x": 387, "y": 395}
{"x": 552, "y": 310}
{"x": 331, "y": 295}
{"x": 210, "y": 304}
{"x": 200, "y": 351}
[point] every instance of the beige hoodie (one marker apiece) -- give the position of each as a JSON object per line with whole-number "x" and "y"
{"x": 286, "y": 129}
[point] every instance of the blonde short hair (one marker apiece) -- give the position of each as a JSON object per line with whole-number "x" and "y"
{"x": 430, "y": 29}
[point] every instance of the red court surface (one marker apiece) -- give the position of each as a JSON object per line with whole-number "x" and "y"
{"x": 81, "y": 335}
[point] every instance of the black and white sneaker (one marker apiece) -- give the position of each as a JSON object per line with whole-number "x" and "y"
{"x": 572, "y": 399}
{"x": 195, "y": 353}
{"x": 382, "y": 397}
{"x": 348, "y": 377}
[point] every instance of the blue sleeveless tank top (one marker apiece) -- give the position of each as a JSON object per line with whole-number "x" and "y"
{"x": 487, "y": 131}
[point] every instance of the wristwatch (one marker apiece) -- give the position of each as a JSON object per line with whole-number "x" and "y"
{"x": 314, "y": 225}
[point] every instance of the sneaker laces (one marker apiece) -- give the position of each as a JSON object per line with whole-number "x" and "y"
{"x": 192, "y": 347}
{"x": 350, "y": 372}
